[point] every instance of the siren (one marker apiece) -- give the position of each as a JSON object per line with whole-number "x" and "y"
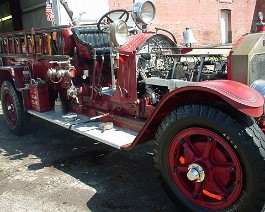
{"x": 188, "y": 37}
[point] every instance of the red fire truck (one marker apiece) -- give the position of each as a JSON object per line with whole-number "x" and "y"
{"x": 125, "y": 86}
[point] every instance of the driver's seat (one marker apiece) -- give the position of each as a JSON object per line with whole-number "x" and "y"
{"x": 89, "y": 38}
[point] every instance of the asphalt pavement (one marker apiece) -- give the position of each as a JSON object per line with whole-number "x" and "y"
{"x": 53, "y": 169}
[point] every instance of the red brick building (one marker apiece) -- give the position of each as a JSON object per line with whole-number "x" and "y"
{"x": 212, "y": 21}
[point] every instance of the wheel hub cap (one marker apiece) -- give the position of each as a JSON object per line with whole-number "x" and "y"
{"x": 195, "y": 173}
{"x": 10, "y": 107}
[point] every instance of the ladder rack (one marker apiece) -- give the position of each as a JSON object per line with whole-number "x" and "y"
{"x": 43, "y": 43}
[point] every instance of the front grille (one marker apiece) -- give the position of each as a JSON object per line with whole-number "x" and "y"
{"x": 257, "y": 68}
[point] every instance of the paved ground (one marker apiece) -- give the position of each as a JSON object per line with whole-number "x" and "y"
{"x": 52, "y": 169}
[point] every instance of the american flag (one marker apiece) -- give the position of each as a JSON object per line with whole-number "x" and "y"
{"x": 49, "y": 12}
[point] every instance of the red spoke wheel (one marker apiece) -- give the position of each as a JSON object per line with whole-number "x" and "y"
{"x": 9, "y": 108}
{"x": 210, "y": 161}
{"x": 16, "y": 118}
{"x": 205, "y": 168}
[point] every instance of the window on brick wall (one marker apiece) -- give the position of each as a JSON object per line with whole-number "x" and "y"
{"x": 226, "y": 31}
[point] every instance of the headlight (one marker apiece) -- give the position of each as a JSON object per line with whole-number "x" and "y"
{"x": 259, "y": 85}
{"x": 118, "y": 33}
{"x": 143, "y": 12}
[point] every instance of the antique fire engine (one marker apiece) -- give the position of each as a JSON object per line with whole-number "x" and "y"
{"x": 124, "y": 85}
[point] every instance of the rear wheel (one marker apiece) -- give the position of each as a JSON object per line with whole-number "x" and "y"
{"x": 209, "y": 161}
{"x": 17, "y": 119}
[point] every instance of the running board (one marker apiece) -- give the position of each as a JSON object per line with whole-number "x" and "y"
{"x": 115, "y": 137}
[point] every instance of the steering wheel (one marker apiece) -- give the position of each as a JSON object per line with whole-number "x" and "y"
{"x": 125, "y": 15}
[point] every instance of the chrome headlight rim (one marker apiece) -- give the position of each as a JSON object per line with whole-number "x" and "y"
{"x": 143, "y": 12}
{"x": 259, "y": 86}
{"x": 118, "y": 33}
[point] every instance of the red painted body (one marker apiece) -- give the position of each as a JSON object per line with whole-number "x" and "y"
{"x": 240, "y": 96}
{"x": 39, "y": 96}
{"x": 127, "y": 107}
{"x": 261, "y": 28}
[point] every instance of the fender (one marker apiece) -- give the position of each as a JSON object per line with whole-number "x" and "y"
{"x": 5, "y": 74}
{"x": 235, "y": 94}
{"x": 16, "y": 75}
{"x": 134, "y": 42}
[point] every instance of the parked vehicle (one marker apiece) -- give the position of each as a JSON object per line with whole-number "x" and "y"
{"x": 125, "y": 86}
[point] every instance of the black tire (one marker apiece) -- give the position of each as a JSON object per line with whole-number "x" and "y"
{"x": 18, "y": 121}
{"x": 241, "y": 142}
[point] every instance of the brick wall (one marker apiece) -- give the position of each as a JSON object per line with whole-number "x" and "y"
{"x": 260, "y": 6}
{"x": 117, "y": 4}
{"x": 203, "y": 17}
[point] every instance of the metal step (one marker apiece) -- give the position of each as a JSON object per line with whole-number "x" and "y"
{"x": 115, "y": 137}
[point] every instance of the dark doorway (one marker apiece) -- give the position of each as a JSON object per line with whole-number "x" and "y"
{"x": 6, "y": 22}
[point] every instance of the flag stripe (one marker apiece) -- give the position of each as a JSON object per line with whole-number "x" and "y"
{"x": 49, "y": 12}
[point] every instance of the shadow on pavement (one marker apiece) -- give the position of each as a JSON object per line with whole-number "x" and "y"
{"x": 122, "y": 180}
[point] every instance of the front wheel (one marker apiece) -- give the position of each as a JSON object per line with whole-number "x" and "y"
{"x": 17, "y": 119}
{"x": 211, "y": 162}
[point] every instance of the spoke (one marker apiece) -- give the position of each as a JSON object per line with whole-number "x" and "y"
{"x": 177, "y": 154}
{"x": 223, "y": 191}
{"x": 189, "y": 151}
{"x": 209, "y": 149}
{"x": 109, "y": 19}
{"x": 198, "y": 190}
{"x": 10, "y": 99}
{"x": 8, "y": 102}
{"x": 122, "y": 15}
{"x": 182, "y": 169}
{"x": 216, "y": 187}
{"x": 225, "y": 168}
{"x": 189, "y": 155}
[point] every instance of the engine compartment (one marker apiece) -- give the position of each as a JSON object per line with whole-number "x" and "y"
{"x": 160, "y": 63}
